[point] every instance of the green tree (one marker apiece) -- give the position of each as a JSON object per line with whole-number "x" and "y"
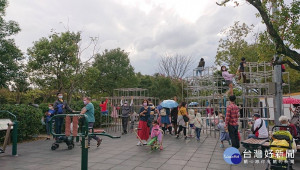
{"x": 9, "y": 52}
{"x": 54, "y": 62}
{"x": 115, "y": 71}
{"x": 283, "y": 27}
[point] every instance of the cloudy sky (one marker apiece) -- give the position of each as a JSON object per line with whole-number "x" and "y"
{"x": 147, "y": 29}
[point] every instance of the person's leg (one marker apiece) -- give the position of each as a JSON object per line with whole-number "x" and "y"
{"x": 126, "y": 124}
{"x": 60, "y": 122}
{"x": 252, "y": 136}
{"x": 170, "y": 129}
{"x": 179, "y": 130}
{"x": 231, "y": 89}
{"x": 197, "y": 133}
{"x": 175, "y": 127}
{"x": 48, "y": 130}
{"x": 232, "y": 136}
{"x": 91, "y": 125}
{"x": 184, "y": 131}
{"x": 244, "y": 77}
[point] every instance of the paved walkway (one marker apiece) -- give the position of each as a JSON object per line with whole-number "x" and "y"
{"x": 123, "y": 154}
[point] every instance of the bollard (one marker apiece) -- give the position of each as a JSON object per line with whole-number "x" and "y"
{"x": 15, "y": 138}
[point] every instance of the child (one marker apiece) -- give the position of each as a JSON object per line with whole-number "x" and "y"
{"x": 224, "y": 135}
{"x": 198, "y": 124}
{"x": 48, "y": 117}
{"x": 191, "y": 121}
{"x": 228, "y": 79}
{"x": 241, "y": 69}
{"x": 156, "y": 132}
{"x": 114, "y": 112}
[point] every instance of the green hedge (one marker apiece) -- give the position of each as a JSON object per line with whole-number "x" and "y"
{"x": 29, "y": 119}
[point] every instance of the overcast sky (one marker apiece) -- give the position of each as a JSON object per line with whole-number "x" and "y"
{"x": 147, "y": 29}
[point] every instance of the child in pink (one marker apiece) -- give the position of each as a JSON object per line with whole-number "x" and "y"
{"x": 156, "y": 132}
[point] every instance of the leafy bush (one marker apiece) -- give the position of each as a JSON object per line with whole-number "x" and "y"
{"x": 29, "y": 119}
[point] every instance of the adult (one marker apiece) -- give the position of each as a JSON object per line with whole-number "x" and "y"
{"x": 292, "y": 128}
{"x": 90, "y": 112}
{"x": 143, "y": 129}
{"x": 296, "y": 117}
{"x": 165, "y": 120}
{"x": 201, "y": 66}
{"x": 60, "y": 106}
{"x": 241, "y": 69}
{"x": 231, "y": 122}
{"x": 182, "y": 124}
{"x": 126, "y": 110}
{"x": 258, "y": 128}
{"x": 103, "y": 106}
{"x": 174, "y": 117}
{"x": 228, "y": 79}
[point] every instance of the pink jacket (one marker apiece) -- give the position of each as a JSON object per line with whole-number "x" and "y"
{"x": 227, "y": 76}
{"x": 155, "y": 131}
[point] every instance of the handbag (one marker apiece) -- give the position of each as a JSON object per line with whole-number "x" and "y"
{"x": 185, "y": 118}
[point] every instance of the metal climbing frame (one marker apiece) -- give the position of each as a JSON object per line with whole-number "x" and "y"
{"x": 252, "y": 96}
{"x": 114, "y": 124}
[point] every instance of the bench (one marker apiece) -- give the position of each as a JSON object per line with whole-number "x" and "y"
{"x": 253, "y": 144}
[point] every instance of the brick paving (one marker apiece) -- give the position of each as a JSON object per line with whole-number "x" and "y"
{"x": 123, "y": 154}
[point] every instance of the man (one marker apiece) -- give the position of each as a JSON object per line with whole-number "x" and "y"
{"x": 89, "y": 111}
{"x": 125, "y": 113}
{"x": 259, "y": 128}
{"x": 231, "y": 122}
{"x": 60, "y": 106}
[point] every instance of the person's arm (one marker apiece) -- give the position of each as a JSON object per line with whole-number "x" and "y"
{"x": 131, "y": 103}
{"x": 121, "y": 102}
{"x": 106, "y": 101}
{"x": 55, "y": 106}
{"x": 83, "y": 110}
{"x": 68, "y": 107}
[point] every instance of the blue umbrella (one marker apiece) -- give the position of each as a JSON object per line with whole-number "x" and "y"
{"x": 169, "y": 104}
{"x": 193, "y": 104}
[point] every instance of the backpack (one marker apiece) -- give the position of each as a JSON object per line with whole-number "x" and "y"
{"x": 163, "y": 112}
{"x": 60, "y": 108}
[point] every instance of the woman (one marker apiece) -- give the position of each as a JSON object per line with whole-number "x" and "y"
{"x": 228, "y": 79}
{"x": 296, "y": 117}
{"x": 174, "y": 117}
{"x": 182, "y": 124}
{"x": 143, "y": 129}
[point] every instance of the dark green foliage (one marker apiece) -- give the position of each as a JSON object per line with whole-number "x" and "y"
{"x": 29, "y": 119}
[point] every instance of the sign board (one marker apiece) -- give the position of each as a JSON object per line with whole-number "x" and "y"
{"x": 3, "y": 124}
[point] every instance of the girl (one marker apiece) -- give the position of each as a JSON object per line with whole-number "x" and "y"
{"x": 182, "y": 124}
{"x": 165, "y": 120}
{"x": 198, "y": 124}
{"x": 228, "y": 79}
{"x": 114, "y": 112}
{"x": 223, "y": 134}
{"x": 191, "y": 121}
{"x": 144, "y": 114}
{"x": 156, "y": 132}
{"x": 48, "y": 117}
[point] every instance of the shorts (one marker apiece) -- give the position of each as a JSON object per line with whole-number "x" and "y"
{"x": 228, "y": 82}
{"x": 105, "y": 113}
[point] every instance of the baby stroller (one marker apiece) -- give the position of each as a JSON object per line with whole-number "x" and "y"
{"x": 63, "y": 139}
{"x": 280, "y": 149}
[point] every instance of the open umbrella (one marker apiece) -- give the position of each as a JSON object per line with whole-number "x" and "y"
{"x": 290, "y": 100}
{"x": 169, "y": 104}
{"x": 193, "y": 104}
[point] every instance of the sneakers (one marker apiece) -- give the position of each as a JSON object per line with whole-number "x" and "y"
{"x": 221, "y": 146}
{"x": 177, "y": 136}
{"x": 99, "y": 142}
{"x": 198, "y": 139}
{"x": 139, "y": 144}
{"x": 185, "y": 137}
{"x": 161, "y": 147}
{"x": 229, "y": 142}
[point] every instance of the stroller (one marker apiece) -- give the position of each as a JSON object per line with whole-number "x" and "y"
{"x": 63, "y": 139}
{"x": 281, "y": 144}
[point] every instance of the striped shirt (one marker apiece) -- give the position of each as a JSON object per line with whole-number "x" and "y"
{"x": 232, "y": 115}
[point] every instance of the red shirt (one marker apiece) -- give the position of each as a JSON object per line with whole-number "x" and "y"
{"x": 103, "y": 106}
{"x": 232, "y": 115}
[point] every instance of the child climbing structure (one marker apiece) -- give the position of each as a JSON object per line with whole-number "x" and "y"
{"x": 253, "y": 94}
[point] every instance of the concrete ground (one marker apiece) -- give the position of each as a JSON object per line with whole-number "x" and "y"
{"x": 123, "y": 154}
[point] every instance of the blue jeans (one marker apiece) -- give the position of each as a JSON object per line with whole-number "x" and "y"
{"x": 200, "y": 69}
{"x": 105, "y": 113}
{"x": 198, "y": 132}
{"x": 252, "y": 136}
{"x": 207, "y": 121}
{"x": 58, "y": 124}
